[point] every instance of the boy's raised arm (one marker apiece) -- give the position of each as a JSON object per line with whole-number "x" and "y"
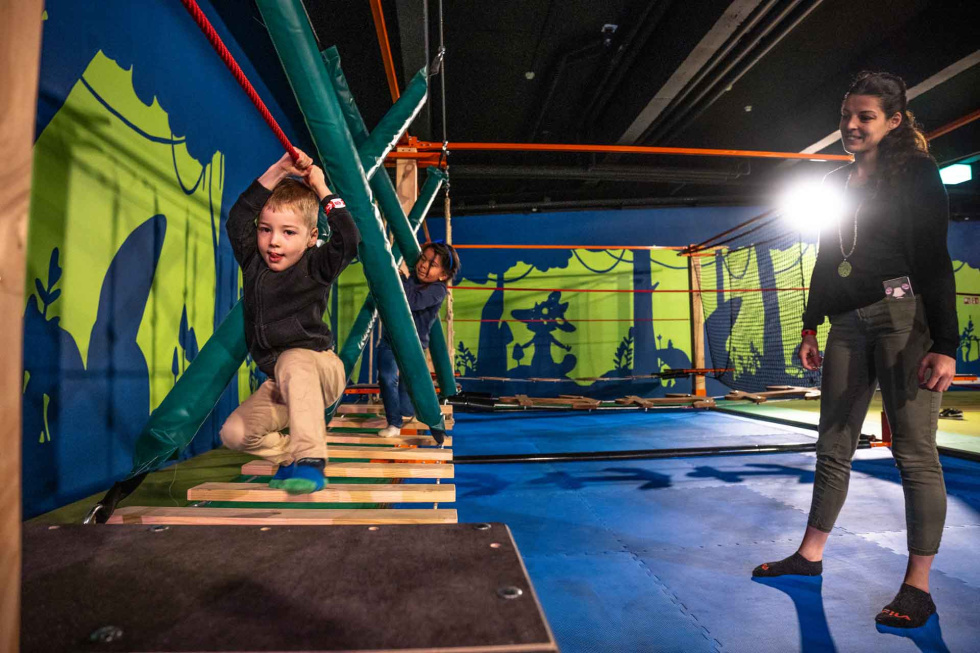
{"x": 336, "y": 254}
{"x": 242, "y": 216}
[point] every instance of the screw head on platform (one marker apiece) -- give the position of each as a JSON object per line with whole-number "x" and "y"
{"x": 481, "y": 527}
{"x": 509, "y": 592}
{"x": 159, "y": 528}
{"x": 106, "y": 635}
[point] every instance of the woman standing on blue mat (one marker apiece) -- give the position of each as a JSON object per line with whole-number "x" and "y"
{"x": 884, "y": 277}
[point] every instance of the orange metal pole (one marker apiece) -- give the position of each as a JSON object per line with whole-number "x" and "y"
{"x": 599, "y": 247}
{"x": 620, "y": 149}
{"x": 389, "y": 63}
{"x": 956, "y": 124}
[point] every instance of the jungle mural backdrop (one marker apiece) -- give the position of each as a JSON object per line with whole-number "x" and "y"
{"x": 143, "y": 142}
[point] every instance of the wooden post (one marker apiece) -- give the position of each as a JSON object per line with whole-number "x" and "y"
{"x": 697, "y": 326}
{"x": 20, "y": 52}
{"x": 407, "y": 180}
{"x": 407, "y": 188}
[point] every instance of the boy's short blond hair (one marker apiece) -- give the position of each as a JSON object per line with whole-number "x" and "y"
{"x": 295, "y": 195}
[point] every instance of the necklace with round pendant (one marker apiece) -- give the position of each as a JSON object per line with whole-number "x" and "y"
{"x": 844, "y": 269}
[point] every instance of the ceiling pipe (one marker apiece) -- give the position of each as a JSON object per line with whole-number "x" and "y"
{"x": 679, "y": 101}
{"x": 769, "y": 36}
{"x": 620, "y": 63}
{"x": 566, "y": 58}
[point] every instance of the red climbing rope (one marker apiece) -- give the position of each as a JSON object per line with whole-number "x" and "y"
{"x": 219, "y": 47}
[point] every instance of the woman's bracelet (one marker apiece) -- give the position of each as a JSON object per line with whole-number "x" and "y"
{"x": 808, "y": 332}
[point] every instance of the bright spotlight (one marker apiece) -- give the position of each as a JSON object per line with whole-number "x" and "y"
{"x": 811, "y": 206}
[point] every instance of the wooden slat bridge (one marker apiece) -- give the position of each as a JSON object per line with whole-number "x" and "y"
{"x": 371, "y": 470}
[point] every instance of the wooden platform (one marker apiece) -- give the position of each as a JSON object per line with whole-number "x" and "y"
{"x": 389, "y": 453}
{"x": 331, "y": 493}
{"x": 378, "y": 409}
{"x": 362, "y": 470}
{"x": 432, "y": 587}
{"x": 273, "y": 517}
{"x": 378, "y": 422}
{"x": 342, "y": 437}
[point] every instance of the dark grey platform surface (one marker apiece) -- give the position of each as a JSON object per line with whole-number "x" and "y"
{"x": 288, "y": 588}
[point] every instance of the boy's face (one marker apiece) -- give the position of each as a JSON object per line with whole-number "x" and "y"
{"x": 429, "y": 267}
{"x": 283, "y": 237}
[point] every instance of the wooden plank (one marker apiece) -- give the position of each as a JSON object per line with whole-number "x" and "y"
{"x": 341, "y": 437}
{"x": 369, "y": 422}
{"x": 331, "y": 493}
{"x": 390, "y": 453}
{"x": 362, "y": 470}
{"x": 20, "y": 52}
{"x": 736, "y": 395}
{"x": 378, "y": 409}
{"x": 759, "y": 397}
{"x": 273, "y": 517}
{"x": 773, "y": 391}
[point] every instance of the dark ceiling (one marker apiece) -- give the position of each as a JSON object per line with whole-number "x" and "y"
{"x": 748, "y": 74}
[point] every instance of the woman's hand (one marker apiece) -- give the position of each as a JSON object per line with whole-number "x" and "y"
{"x": 403, "y": 270}
{"x": 810, "y": 353}
{"x": 936, "y": 372}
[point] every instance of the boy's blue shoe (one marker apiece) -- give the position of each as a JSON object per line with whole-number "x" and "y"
{"x": 284, "y": 472}
{"x": 306, "y": 476}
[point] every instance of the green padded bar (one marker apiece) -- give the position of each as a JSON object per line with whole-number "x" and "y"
{"x": 295, "y": 44}
{"x": 374, "y": 147}
{"x": 176, "y": 420}
{"x": 358, "y": 336}
{"x": 387, "y": 197}
{"x": 395, "y": 122}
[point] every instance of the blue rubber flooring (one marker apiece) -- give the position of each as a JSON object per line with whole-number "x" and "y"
{"x": 539, "y": 432}
{"x": 656, "y": 555}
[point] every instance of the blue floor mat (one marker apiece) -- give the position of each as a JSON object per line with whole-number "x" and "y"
{"x": 957, "y": 553}
{"x": 611, "y": 603}
{"x": 832, "y": 612}
{"x": 561, "y": 432}
{"x": 657, "y": 554}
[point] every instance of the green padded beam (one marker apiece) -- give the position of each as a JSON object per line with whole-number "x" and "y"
{"x": 176, "y": 420}
{"x": 390, "y": 128}
{"x": 295, "y": 44}
{"x": 403, "y": 229}
{"x": 358, "y": 337}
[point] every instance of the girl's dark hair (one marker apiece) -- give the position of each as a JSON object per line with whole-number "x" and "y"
{"x": 447, "y": 256}
{"x": 901, "y": 144}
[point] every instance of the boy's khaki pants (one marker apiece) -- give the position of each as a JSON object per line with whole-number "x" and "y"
{"x": 306, "y": 381}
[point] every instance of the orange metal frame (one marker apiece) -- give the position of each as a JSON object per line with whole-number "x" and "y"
{"x": 597, "y": 247}
{"x": 956, "y": 124}
{"x": 389, "y": 62}
{"x": 428, "y": 146}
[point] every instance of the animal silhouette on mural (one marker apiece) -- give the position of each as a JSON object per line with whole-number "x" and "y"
{"x": 542, "y": 321}
{"x": 968, "y": 359}
{"x": 80, "y": 418}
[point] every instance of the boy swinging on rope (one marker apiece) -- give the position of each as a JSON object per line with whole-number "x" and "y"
{"x": 273, "y": 234}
